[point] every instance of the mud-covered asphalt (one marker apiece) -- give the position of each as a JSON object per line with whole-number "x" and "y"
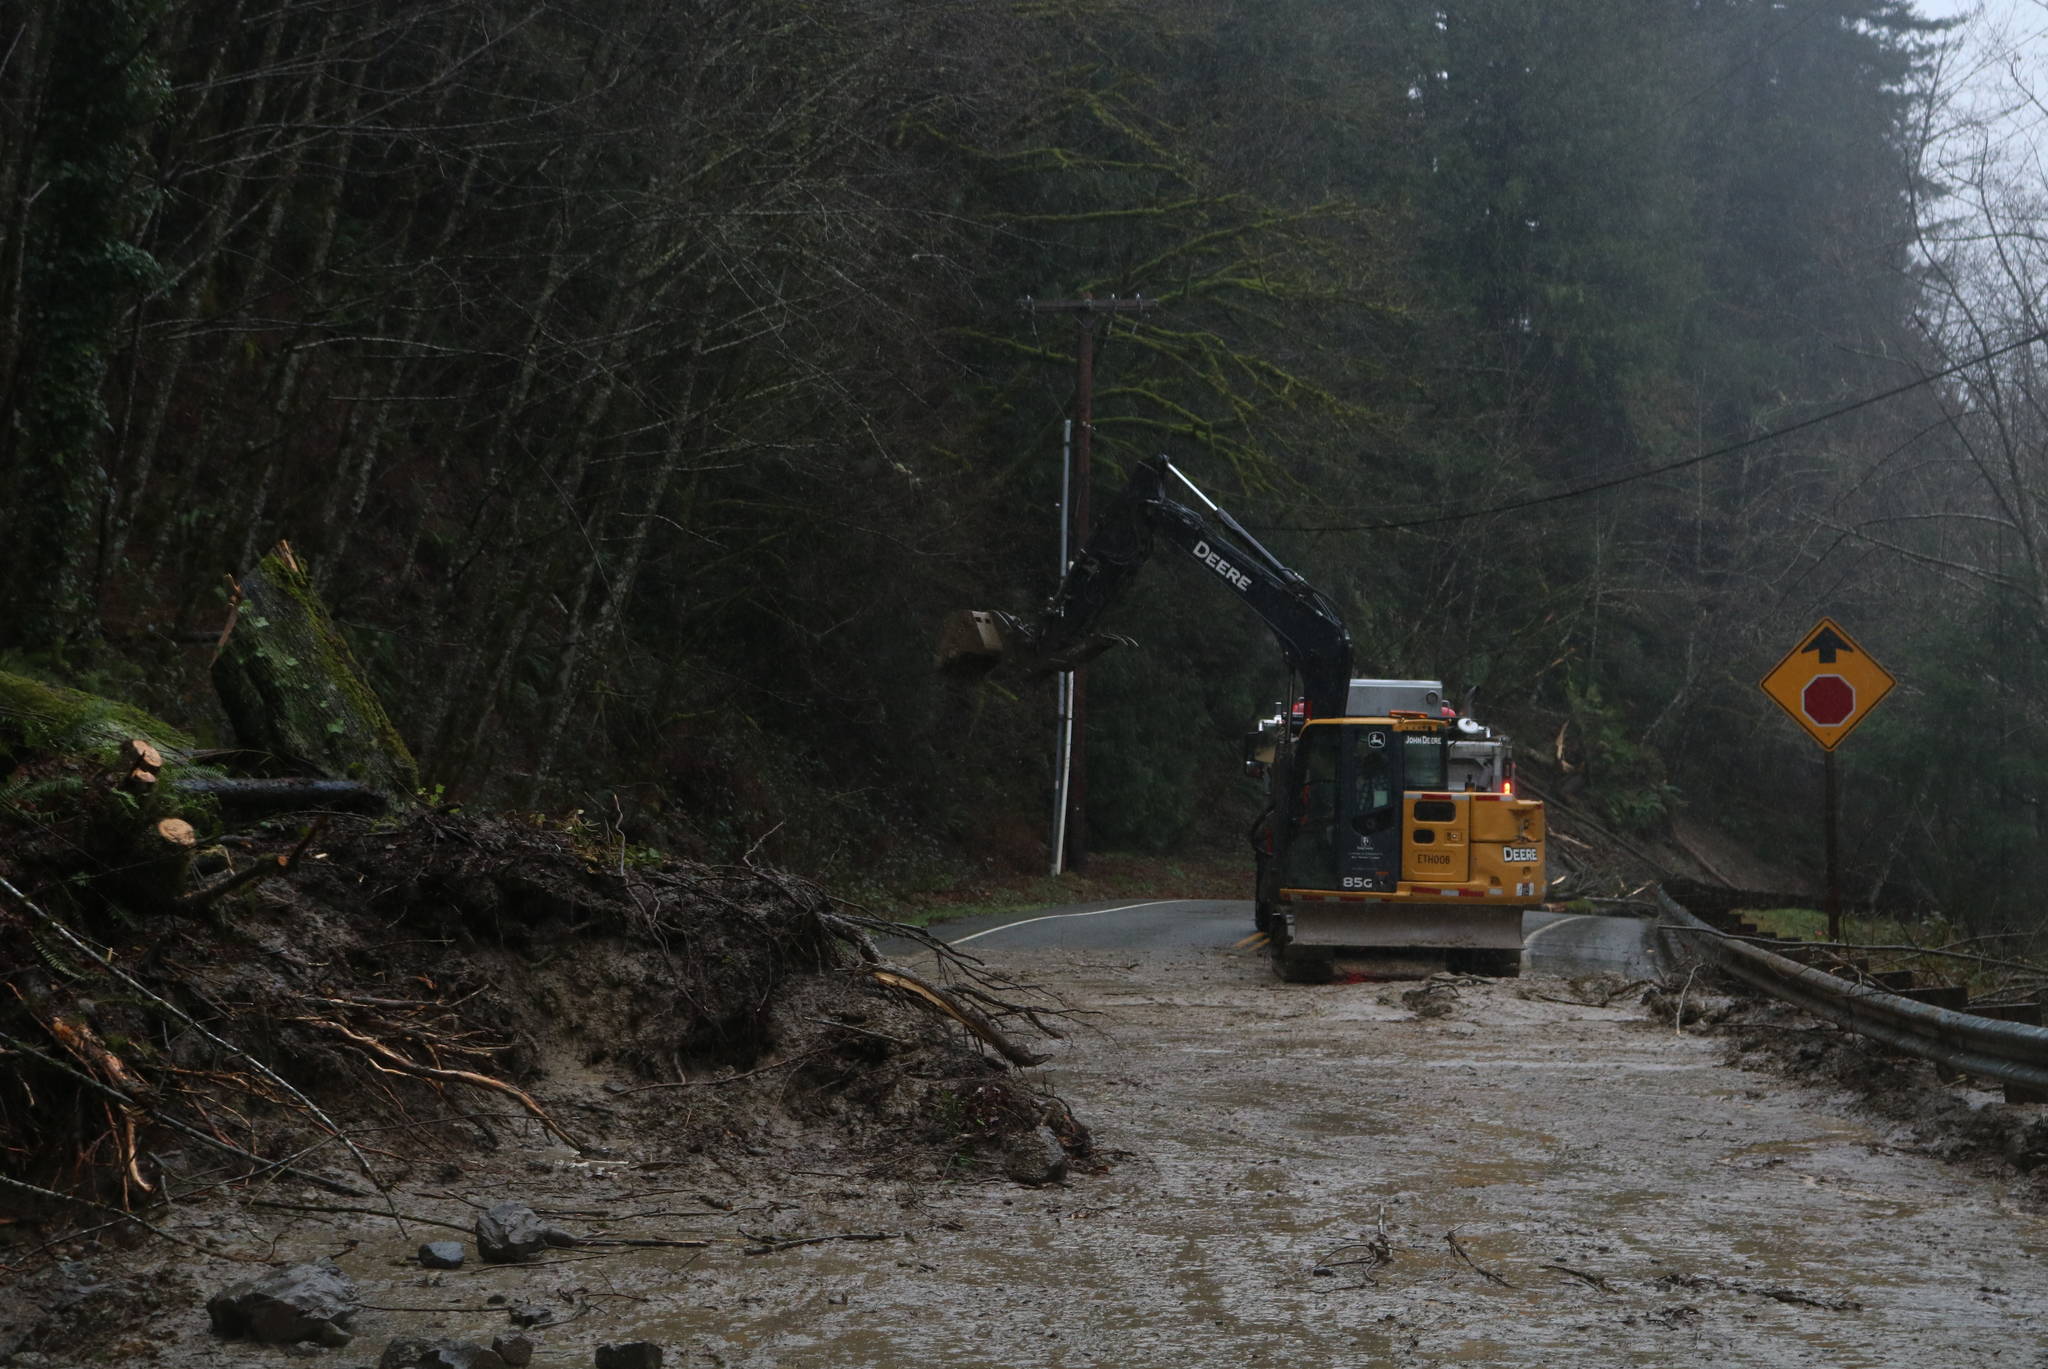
{"x": 1634, "y": 1202}
{"x": 1488, "y": 1173}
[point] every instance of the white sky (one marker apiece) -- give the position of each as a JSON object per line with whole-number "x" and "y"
{"x": 1995, "y": 11}
{"x": 1998, "y": 81}
{"x": 2010, "y": 27}
{"x": 1990, "y": 146}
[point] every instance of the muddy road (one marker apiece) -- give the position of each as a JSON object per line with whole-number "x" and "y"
{"x": 1552, "y": 943}
{"x": 1475, "y": 1173}
{"x": 1300, "y": 1161}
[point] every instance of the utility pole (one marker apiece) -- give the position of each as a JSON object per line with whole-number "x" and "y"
{"x": 1073, "y": 801}
{"x": 1063, "y": 683}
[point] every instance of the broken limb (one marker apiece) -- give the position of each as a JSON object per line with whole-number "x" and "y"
{"x": 213, "y": 893}
{"x": 770, "y": 1244}
{"x": 974, "y": 1021}
{"x": 1590, "y": 1280}
{"x": 1451, "y": 1237}
{"x": 362, "y": 1211}
{"x": 855, "y": 926}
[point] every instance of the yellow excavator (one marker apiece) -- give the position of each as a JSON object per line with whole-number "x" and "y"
{"x": 1393, "y": 841}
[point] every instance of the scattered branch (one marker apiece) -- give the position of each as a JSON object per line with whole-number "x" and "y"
{"x": 1451, "y": 1239}
{"x": 208, "y": 895}
{"x": 1590, "y": 1280}
{"x": 967, "y": 1017}
{"x": 186, "y": 1020}
{"x": 768, "y": 1245}
{"x": 50, "y": 1194}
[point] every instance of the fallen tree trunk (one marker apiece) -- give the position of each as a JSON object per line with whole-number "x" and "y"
{"x": 41, "y": 720}
{"x": 281, "y": 795}
{"x": 292, "y": 687}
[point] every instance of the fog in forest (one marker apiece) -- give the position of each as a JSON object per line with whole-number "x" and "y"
{"x": 643, "y": 383}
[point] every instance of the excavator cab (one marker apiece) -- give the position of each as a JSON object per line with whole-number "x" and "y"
{"x": 1344, "y": 815}
{"x": 1385, "y": 843}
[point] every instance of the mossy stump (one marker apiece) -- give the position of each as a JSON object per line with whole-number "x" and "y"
{"x": 292, "y": 687}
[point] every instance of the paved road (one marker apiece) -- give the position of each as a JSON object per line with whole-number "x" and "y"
{"x": 1553, "y": 943}
{"x": 1564, "y": 943}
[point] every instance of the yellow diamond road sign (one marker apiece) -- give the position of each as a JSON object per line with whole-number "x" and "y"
{"x": 1827, "y": 683}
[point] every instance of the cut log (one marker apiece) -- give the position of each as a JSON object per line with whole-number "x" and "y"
{"x": 138, "y": 754}
{"x": 142, "y": 762}
{"x": 292, "y": 687}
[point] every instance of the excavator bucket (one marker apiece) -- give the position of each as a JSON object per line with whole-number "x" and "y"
{"x": 971, "y": 644}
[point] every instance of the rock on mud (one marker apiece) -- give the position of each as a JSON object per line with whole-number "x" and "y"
{"x": 413, "y": 1352}
{"x": 633, "y": 1354}
{"x": 1035, "y": 1157}
{"x": 509, "y": 1232}
{"x": 441, "y": 1255}
{"x": 515, "y": 1350}
{"x": 306, "y": 1302}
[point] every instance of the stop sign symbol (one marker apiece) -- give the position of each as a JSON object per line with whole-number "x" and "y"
{"x": 1828, "y": 685}
{"x": 1828, "y": 700}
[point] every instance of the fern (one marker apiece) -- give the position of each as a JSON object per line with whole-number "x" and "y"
{"x": 19, "y": 793}
{"x": 58, "y": 965}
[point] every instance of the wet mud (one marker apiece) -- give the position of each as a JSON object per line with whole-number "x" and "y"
{"x": 1294, "y": 1175}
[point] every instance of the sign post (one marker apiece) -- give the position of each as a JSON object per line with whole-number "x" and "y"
{"x": 1828, "y": 684}
{"x": 1831, "y": 809}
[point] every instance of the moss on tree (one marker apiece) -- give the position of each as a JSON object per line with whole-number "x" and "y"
{"x": 292, "y": 686}
{"x": 38, "y": 719}
{"x": 60, "y": 755}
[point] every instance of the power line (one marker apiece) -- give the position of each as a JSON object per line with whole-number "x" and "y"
{"x": 1576, "y": 491}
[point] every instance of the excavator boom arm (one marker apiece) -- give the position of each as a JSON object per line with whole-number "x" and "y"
{"x": 1312, "y": 638}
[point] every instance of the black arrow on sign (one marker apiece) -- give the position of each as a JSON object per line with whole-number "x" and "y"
{"x": 1827, "y": 643}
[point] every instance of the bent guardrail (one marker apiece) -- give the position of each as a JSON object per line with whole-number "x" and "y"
{"x": 2012, "y": 1053}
